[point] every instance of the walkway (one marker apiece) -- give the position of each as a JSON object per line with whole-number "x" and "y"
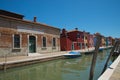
{"x": 116, "y": 73}
{"x": 113, "y": 72}
{"x": 16, "y": 61}
{"x": 34, "y": 56}
{"x": 30, "y": 57}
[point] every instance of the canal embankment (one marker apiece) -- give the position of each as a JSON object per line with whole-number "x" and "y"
{"x": 10, "y": 62}
{"x": 112, "y": 72}
{"x": 59, "y": 69}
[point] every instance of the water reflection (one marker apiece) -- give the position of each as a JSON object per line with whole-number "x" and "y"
{"x": 67, "y": 69}
{"x": 43, "y": 71}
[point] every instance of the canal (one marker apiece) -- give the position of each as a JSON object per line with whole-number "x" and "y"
{"x": 62, "y": 69}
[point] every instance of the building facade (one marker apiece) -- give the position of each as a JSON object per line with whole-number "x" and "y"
{"x": 110, "y": 41}
{"x": 22, "y": 37}
{"x": 105, "y": 41}
{"x": 75, "y": 40}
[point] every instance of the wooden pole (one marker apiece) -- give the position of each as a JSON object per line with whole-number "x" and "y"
{"x": 4, "y": 65}
{"x": 117, "y": 47}
{"x": 94, "y": 57}
{"x": 112, "y": 51}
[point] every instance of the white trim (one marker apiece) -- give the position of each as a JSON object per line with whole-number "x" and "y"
{"x": 20, "y": 40}
{"x": 72, "y": 46}
{"x": 28, "y": 43}
{"x": 13, "y": 41}
{"x": 36, "y": 42}
{"x": 81, "y": 45}
{"x": 56, "y": 42}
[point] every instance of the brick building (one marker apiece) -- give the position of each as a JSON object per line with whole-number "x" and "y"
{"x": 22, "y": 37}
{"x": 75, "y": 40}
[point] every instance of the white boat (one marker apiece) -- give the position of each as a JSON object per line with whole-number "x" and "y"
{"x": 101, "y": 48}
{"x": 72, "y": 54}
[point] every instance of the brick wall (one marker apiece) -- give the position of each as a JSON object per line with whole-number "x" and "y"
{"x": 9, "y": 27}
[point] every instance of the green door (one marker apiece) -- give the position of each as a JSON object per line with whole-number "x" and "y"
{"x": 32, "y": 44}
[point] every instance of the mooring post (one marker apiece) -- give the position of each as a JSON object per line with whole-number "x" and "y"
{"x": 94, "y": 57}
{"x": 117, "y": 47}
{"x": 4, "y": 65}
{"x": 111, "y": 53}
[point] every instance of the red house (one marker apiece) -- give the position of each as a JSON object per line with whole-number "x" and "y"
{"x": 75, "y": 40}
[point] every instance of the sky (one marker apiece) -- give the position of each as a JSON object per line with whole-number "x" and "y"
{"x": 92, "y": 16}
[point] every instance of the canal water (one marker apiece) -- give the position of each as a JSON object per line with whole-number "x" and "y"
{"x": 62, "y": 69}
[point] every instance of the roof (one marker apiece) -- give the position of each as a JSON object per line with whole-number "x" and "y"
{"x": 11, "y": 14}
{"x": 26, "y": 21}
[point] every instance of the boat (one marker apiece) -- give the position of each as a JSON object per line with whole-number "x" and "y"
{"x": 101, "y": 49}
{"x": 87, "y": 52}
{"x": 72, "y": 54}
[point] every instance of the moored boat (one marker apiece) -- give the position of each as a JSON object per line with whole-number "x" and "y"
{"x": 101, "y": 49}
{"x": 72, "y": 54}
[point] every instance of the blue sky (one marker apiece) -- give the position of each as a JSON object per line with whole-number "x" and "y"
{"x": 90, "y": 15}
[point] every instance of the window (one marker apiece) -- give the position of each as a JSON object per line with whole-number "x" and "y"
{"x": 16, "y": 41}
{"x": 54, "y": 42}
{"x": 78, "y": 35}
{"x": 79, "y": 44}
{"x": 86, "y": 37}
{"x": 82, "y": 44}
{"x": 82, "y": 37}
{"x": 44, "y": 41}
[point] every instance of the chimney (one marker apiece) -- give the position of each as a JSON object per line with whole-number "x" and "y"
{"x": 76, "y": 29}
{"x": 35, "y": 19}
{"x": 63, "y": 31}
